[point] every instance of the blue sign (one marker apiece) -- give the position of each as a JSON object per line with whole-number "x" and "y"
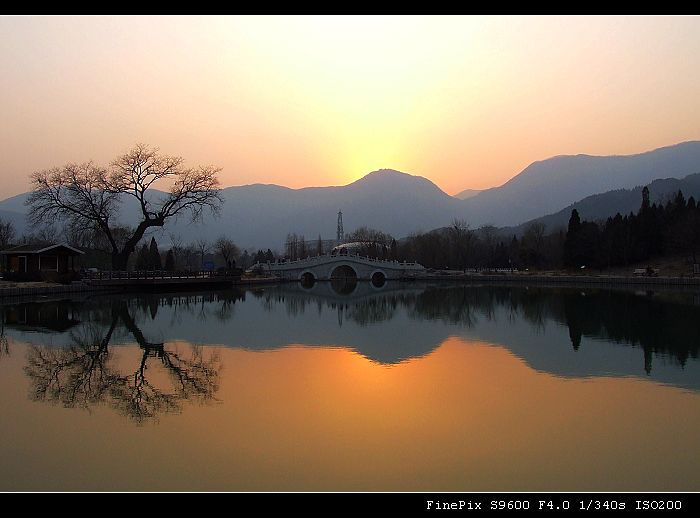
{"x": 208, "y": 265}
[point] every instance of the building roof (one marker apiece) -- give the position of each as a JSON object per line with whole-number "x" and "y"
{"x": 39, "y": 249}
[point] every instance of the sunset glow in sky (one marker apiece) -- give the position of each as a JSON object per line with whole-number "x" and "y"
{"x": 467, "y": 102}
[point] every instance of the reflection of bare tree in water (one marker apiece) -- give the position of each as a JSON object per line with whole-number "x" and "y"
{"x": 4, "y": 344}
{"x": 77, "y": 375}
{"x": 83, "y": 374}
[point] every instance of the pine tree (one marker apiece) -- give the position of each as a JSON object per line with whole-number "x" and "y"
{"x": 142, "y": 258}
{"x": 170, "y": 261}
{"x": 154, "y": 262}
{"x": 572, "y": 243}
{"x": 645, "y": 198}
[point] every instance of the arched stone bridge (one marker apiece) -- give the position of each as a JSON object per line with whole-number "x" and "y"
{"x": 328, "y": 267}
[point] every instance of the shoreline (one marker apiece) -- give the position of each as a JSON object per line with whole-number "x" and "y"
{"x": 534, "y": 278}
{"x": 43, "y": 290}
{"x": 521, "y": 279}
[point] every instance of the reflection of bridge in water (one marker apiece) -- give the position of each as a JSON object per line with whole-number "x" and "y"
{"x": 348, "y": 290}
{"x": 580, "y": 332}
{"x": 330, "y": 267}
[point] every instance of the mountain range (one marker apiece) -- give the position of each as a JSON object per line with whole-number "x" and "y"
{"x": 601, "y": 206}
{"x": 467, "y": 193}
{"x": 261, "y": 216}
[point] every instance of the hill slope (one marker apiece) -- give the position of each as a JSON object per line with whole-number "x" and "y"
{"x": 550, "y": 185}
{"x": 261, "y": 216}
{"x": 624, "y": 201}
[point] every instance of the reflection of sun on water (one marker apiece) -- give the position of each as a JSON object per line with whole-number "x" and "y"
{"x": 464, "y": 417}
{"x": 468, "y": 416}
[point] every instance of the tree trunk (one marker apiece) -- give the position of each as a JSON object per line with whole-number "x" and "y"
{"x": 120, "y": 260}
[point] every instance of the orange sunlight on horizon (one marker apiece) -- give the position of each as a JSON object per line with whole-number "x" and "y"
{"x": 467, "y": 102}
{"x": 468, "y": 416}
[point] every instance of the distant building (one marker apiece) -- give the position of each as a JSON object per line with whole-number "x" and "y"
{"x": 40, "y": 262}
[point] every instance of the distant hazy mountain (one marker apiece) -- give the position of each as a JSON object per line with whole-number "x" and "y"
{"x": 262, "y": 215}
{"x": 14, "y": 209}
{"x": 550, "y": 185}
{"x": 624, "y": 201}
{"x": 16, "y": 218}
{"x": 397, "y": 203}
{"x": 467, "y": 193}
{"x": 400, "y": 204}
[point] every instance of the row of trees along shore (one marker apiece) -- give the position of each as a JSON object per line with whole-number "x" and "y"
{"x": 86, "y": 199}
{"x": 223, "y": 252}
{"x": 369, "y": 242}
{"x": 655, "y": 231}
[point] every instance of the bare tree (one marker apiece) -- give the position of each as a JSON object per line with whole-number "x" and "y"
{"x": 46, "y": 234}
{"x": 488, "y": 235}
{"x": 227, "y": 249}
{"x": 7, "y": 233}
{"x": 368, "y": 236}
{"x": 189, "y": 257}
{"x": 203, "y": 247}
{"x": 89, "y": 196}
{"x": 533, "y": 243}
{"x": 178, "y": 249}
{"x": 461, "y": 239}
{"x": 375, "y": 243}
{"x": 301, "y": 248}
{"x": 42, "y": 235}
{"x": 291, "y": 246}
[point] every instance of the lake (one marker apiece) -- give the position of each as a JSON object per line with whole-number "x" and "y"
{"x": 354, "y": 387}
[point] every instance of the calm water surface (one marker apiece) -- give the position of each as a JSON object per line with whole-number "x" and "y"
{"x": 402, "y": 387}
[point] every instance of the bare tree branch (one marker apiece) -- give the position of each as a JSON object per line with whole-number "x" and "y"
{"x": 88, "y": 197}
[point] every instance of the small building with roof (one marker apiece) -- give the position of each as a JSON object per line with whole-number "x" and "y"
{"x": 53, "y": 262}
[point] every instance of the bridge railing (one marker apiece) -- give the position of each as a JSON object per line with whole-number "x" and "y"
{"x": 322, "y": 258}
{"x": 154, "y": 274}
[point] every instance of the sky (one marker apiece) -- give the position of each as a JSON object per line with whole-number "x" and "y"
{"x": 467, "y": 102}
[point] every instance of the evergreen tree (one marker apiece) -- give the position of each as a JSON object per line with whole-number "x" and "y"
{"x": 572, "y": 245}
{"x": 154, "y": 262}
{"x": 170, "y": 261}
{"x": 142, "y": 258}
{"x": 645, "y": 199}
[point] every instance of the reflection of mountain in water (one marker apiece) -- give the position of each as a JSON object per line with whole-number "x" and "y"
{"x": 565, "y": 331}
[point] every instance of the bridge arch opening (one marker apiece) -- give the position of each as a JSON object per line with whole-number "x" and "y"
{"x": 343, "y": 279}
{"x": 307, "y": 279}
{"x": 344, "y": 272}
{"x": 378, "y": 279}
